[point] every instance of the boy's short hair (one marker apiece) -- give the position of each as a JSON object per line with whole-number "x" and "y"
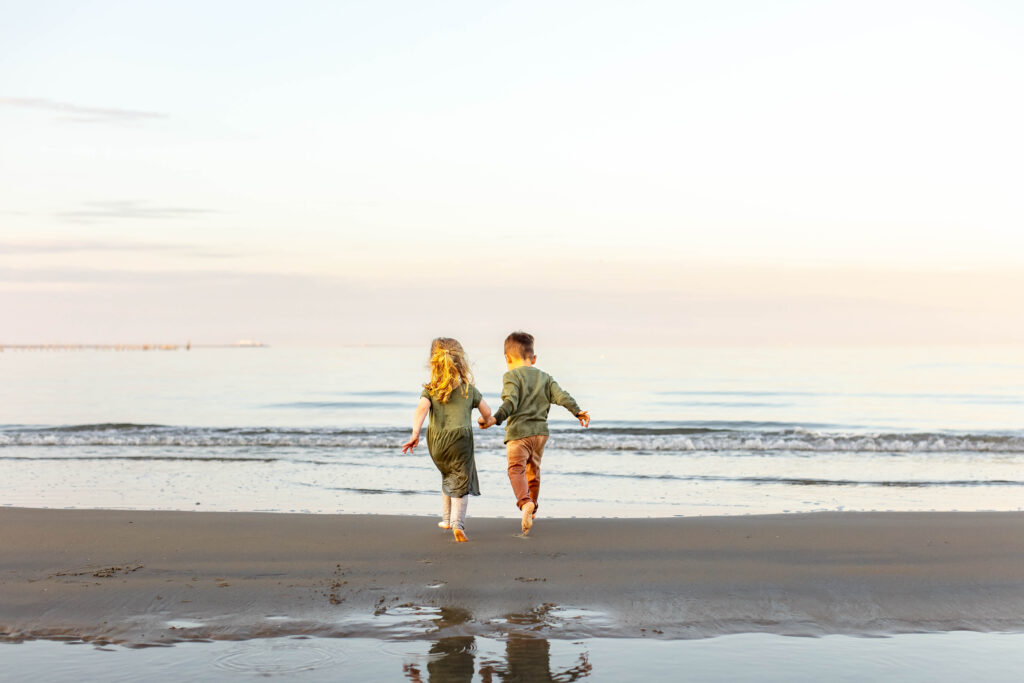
{"x": 519, "y": 344}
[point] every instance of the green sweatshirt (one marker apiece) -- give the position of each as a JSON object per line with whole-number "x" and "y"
{"x": 527, "y": 394}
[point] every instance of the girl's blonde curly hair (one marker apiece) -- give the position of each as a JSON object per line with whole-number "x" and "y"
{"x": 448, "y": 369}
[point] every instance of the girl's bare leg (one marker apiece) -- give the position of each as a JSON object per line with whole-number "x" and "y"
{"x": 446, "y": 512}
{"x": 459, "y": 506}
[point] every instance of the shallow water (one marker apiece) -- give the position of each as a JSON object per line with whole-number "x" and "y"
{"x": 956, "y": 656}
{"x": 675, "y": 431}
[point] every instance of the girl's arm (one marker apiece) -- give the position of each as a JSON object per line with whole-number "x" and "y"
{"x": 422, "y": 408}
{"x": 486, "y": 418}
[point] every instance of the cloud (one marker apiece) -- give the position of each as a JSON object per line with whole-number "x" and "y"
{"x": 130, "y": 209}
{"x": 79, "y": 114}
{"x": 80, "y": 246}
{"x": 77, "y": 275}
{"x": 121, "y": 278}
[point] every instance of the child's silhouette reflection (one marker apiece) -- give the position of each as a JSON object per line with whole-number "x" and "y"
{"x": 527, "y": 657}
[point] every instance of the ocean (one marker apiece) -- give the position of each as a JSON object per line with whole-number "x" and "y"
{"x": 675, "y": 431}
{"x": 747, "y": 657}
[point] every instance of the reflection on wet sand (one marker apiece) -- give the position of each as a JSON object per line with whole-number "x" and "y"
{"x": 452, "y": 659}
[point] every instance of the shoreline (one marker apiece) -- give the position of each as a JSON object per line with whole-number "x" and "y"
{"x": 150, "y": 577}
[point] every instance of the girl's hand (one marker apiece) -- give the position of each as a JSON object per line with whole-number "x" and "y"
{"x": 412, "y": 443}
{"x": 584, "y": 418}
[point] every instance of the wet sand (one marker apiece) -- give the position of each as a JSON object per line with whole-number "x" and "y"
{"x": 144, "y": 577}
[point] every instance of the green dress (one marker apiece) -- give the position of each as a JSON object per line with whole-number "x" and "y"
{"x": 450, "y": 441}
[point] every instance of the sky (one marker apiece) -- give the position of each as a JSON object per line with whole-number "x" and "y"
{"x": 635, "y": 173}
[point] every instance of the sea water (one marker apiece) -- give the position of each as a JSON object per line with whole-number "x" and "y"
{"x": 746, "y": 657}
{"x": 674, "y": 432}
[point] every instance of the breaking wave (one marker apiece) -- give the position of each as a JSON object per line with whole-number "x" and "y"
{"x": 697, "y": 438}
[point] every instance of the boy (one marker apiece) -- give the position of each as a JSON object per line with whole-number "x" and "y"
{"x": 527, "y": 394}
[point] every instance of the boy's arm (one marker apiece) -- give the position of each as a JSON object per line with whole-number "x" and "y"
{"x": 509, "y": 399}
{"x": 560, "y": 396}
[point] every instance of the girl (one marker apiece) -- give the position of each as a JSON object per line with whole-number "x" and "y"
{"x": 450, "y": 397}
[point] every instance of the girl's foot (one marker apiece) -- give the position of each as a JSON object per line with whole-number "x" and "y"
{"x": 444, "y": 525}
{"x": 527, "y": 517}
{"x": 460, "y": 535}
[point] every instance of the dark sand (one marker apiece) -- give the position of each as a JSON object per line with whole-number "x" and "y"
{"x": 156, "y": 577}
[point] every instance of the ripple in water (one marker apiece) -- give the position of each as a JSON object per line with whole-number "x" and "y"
{"x": 284, "y": 657}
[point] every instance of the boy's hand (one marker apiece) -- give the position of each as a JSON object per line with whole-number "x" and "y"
{"x": 412, "y": 443}
{"x": 584, "y": 418}
{"x": 486, "y": 422}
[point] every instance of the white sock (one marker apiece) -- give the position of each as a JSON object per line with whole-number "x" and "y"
{"x": 459, "y": 506}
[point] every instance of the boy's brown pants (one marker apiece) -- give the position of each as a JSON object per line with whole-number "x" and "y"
{"x": 524, "y": 467}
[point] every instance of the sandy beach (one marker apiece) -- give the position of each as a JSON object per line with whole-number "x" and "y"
{"x": 144, "y": 577}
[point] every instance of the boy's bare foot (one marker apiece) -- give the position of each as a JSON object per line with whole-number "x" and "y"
{"x": 527, "y": 517}
{"x": 460, "y": 535}
{"x": 444, "y": 525}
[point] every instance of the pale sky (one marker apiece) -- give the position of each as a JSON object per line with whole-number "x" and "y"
{"x": 383, "y": 172}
